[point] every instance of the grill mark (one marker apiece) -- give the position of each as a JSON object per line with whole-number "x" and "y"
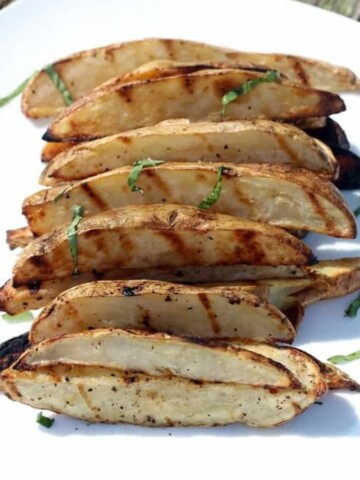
{"x": 204, "y": 299}
{"x": 300, "y": 72}
{"x": 321, "y": 212}
{"x": 177, "y": 244}
{"x": 82, "y": 390}
{"x": 168, "y": 44}
{"x": 285, "y": 146}
{"x": 160, "y": 185}
{"x": 248, "y": 251}
{"x": 97, "y": 200}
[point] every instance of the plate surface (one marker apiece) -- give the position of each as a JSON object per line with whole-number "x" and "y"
{"x": 325, "y": 439}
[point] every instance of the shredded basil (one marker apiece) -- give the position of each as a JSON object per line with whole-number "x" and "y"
{"x": 136, "y": 170}
{"x": 45, "y": 421}
{"x": 353, "y": 308}
{"x": 59, "y": 84}
{"x": 17, "y": 91}
{"x": 216, "y": 191}
{"x": 78, "y": 214}
{"x": 21, "y": 317}
{"x": 270, "y": 76}
{"x": 60, "y": 195}
{"x": 357, "y": 211}
{"x": 345, "y": 358}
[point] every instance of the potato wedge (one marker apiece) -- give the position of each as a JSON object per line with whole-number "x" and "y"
{"x": 84, "y": 71}
{"x": 217, "y": 312}
{"x": 196, "y": 96}
{"x": 158, "y": 354}
{"x": 342, "y": 276}
{"x": 258, "y": 141}
{"x": 275, "y": 194}
{"x": 98, "y": 394}
{"x": 37, "y": 294}
{"x": 162, "y": 235}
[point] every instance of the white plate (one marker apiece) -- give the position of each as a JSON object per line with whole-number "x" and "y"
{"x": 322, "y": 440}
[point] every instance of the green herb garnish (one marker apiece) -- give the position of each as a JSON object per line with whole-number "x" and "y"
{"x": 270, "y": 76}
{"x": 59, "y": 84}
{"x": 216, "y": 191}
{"x": 60, "y": 195}
{"x": 21, "y": 317}
{"x": 345, "y": 358}
{"x": 353, "y": 308}
{"x": 78, "y": 214}
{"x": 16, "y": 92}
{"x": 136, "y": 170}
{"x": 45, "y": 421}
{"x": 357, "y": 211}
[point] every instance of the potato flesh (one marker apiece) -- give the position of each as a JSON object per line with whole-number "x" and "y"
{"x": 272, "y": 194}
{"x": 259, "y": 141}
{"x": 102, "y": 395}
{"x": 158, "y": 354}
{"x": 301, "y": 365}
{"x": 204, "y": 312}
{"x": 195, "y": 96}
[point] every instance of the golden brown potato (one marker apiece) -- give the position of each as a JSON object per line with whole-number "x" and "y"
{"x": 196, "y": 96}
{"x": 275, "y": 194}
{"x": 84, "y": 71}
{"x": 162, "y": 235}
{"x": 258, "y": 141}
{"x": 211, "y": 312}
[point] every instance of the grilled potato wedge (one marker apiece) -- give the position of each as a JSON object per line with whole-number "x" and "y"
{"x": 158, "y": 354}
{"x": 162, "y": 235}
{"x": 37, "y": 294}
{"x": 284, "y": 287}
{"x": 216, "y": 312}
{"x": 275, "y": 194}
{"x": 258, "y": 141}
{"x": 84, "y": 71}
{"x": 98, "y": 394}
{"x": 196, "y": 96}
{"x": 342, "y": 276}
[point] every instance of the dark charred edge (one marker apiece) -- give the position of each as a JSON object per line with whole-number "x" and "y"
{"x": 332, "y": 134}
{"x": 11, "y": 350}
{"x": 50, "y": 137}
{"x": 349, "y": 163}
{"x": 335, "y": 378}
